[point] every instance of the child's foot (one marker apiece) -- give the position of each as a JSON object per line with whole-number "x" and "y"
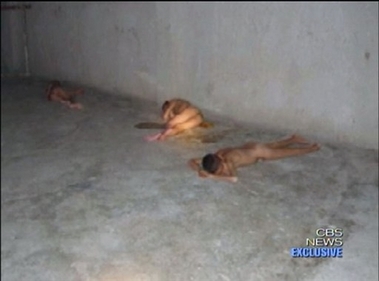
{"x": 153, "y": 137}
{"x": 76, "y": 106}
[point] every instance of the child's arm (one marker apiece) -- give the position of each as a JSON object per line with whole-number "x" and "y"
{"x": 205, "y": 174}
{"x": 195, "y": 165}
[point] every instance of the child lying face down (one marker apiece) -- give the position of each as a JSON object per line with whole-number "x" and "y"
{"x": 55, "y": 92}
{"x": 223, "y": 164}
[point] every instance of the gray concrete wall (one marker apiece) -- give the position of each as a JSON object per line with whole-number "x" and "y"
{"x": 306, "y": 67}
{"x": 12, "y": 41}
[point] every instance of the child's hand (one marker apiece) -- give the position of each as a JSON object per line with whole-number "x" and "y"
{"x": 233, "y": 179}
{"x": 203, "y": 174}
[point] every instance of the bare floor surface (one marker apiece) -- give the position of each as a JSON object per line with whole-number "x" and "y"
{"x": 83, "y": 197}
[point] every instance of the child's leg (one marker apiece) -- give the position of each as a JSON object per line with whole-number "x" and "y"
{"x": 268, "y": 153}
{"x": 294, "y": 139}
{"x": 75, "y": 92}
{"x": 69, "y": 100}
{"x": 185, "y": 116}
{"x": 189, "y": 124}
{"x": 192, "y": 123}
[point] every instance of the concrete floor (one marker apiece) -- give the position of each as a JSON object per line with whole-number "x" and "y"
{"x": 83, "y": 197}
